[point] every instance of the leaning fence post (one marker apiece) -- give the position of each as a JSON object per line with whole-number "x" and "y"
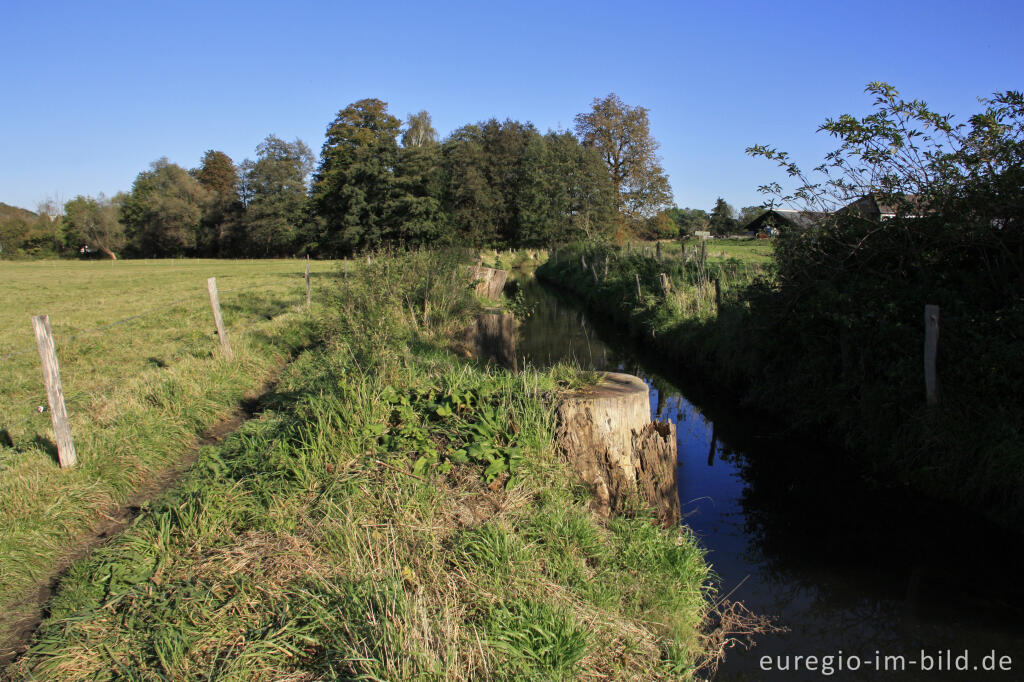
{"x": 931, "y": 348}
{"x": 222, "y": 332}
{"x": 309, "y": 295}
{"x": 593, "y": 271}
{"x": 54, "y": 391}
{"x": 583, "y": 263}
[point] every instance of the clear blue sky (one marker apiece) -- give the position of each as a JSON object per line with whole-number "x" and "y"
{"x": 93, "y": 92}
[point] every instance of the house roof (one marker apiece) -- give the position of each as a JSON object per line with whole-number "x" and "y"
{"x": 871, "y": 206}
{"x": 785, "y": 216}
{"x": 874, "y": 206}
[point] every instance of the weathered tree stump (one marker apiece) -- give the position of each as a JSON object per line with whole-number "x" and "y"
{"x": 489, "y": 282}
{"x": 607, "y": 435}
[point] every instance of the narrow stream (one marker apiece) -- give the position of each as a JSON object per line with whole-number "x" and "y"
{"x": 855, "y": 572}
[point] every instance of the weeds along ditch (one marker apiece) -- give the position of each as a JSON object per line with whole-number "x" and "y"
{"x": 839, "y": 356}
{"x": 143, "y": 377}
{"x": 395, "y": 512}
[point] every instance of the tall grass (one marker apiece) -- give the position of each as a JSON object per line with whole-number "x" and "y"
{"x": 306, "y": 546}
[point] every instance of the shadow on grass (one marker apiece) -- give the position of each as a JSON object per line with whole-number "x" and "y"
{"x": 47, "y": 446}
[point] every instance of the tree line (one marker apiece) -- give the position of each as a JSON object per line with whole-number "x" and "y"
{"x": 380, "y": 181}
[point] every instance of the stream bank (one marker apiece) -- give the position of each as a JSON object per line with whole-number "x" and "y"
{"x": 795, "y": 533}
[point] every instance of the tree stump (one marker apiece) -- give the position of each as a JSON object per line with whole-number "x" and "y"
{"x": 607, "y": 435}
{"x": 489, "y": 282}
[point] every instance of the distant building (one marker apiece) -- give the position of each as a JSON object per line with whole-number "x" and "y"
{"x": 771, "y": 220}
{"x": 870, "y": 206}
{"x": 874, "y": 208}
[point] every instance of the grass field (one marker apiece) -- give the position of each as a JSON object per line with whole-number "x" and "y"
{"x": 142, "y": 374}
{"x": 166, "y": 298}
{"x": 395, "y": 512}
{"x": 752, "y": 251}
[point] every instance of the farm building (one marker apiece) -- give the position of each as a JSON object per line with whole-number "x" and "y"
{"x": 870, "y": 206}
{"x": 770, "y": 221}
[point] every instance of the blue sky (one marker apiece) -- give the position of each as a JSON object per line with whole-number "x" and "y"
{"x": 93, "y": 92}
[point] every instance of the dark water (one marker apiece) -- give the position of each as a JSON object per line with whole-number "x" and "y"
{"x": 857, "y": 572}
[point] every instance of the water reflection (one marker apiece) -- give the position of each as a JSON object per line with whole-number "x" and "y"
{"x": 793, "y": 533}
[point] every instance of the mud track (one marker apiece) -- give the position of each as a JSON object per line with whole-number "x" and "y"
{"x": 113, "y": 521}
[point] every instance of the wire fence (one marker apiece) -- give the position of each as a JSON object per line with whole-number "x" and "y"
{"x": 34, "y": 405}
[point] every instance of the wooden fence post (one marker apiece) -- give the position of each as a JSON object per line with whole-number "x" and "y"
{"x": 222, "y": 332}
{"x": 658, "y": 250}
{"x": 606, "y": 266}
{"x": 583, "y": 263}
{"x": 665, "y": 285}
{"x": 309, "y": 295}
{"x": 931, "y": 349}
{"x": 593, "y": 271}
{"x": 54, "y": 391}
{"x": 639, "y": 295}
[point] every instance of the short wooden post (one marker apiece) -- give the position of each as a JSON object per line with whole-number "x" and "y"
{"x": 222, "y": 332}
{"x": 665, "y": 285}
{"x": 583, "y": 263}
{"x": 309, "y": 294}
{"x": 718, "y": 296}
{"x": 54, "y": 391}
{"x": 639, "y": 295}
{"x": 658, "y": 250}
{"x": 931, "y": 351}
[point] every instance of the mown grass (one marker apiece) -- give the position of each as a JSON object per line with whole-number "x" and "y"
{"x": 752, "y": 251}
{"x": 307, "y": 546}
{"x": 166, "y": 298}
{"x": 138, "y": 393}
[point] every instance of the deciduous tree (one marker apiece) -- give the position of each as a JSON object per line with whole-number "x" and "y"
{"x": 162, "y": 213}
{"x": 621, "y": 133}
{"x": 96, "y": 222}
{"x": 279, "y": 203}
{"x": 419, "y": 131}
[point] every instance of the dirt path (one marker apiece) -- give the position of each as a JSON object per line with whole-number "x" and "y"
{"x": 116, "y": 520}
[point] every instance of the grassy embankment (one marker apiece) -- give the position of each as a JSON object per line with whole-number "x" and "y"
{"x": 681, "y": 322}
{"x": 840, "y": 355}
{"x": 395, "y": 513}
{"x": 137, "y": 393}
